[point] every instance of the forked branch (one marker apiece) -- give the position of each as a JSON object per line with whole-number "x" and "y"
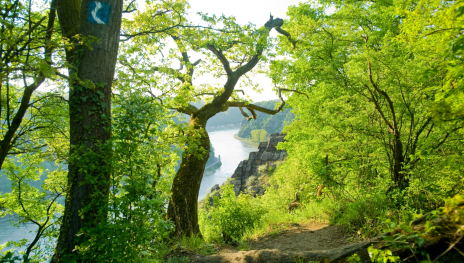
{"x": 252, "y": 107}
{"x": 189, "y": 110}
{"x": 276, "y": 24}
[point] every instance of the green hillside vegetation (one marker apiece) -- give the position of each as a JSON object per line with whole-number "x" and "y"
{"x": 231, "y": 116}
{"x": 374, "y": 135}
{"x": 259, "y": 135}
{"x": 375, "y": 129}
{"x": 269, "y": 123}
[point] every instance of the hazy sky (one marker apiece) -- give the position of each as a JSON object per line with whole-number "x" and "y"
{"x": 254, "y": 11}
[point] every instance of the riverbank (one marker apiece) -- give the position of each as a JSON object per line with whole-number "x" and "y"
{"x": 232, "y": 152}
{"x": 246, "y": 140}
{"x": 212, "y": 168}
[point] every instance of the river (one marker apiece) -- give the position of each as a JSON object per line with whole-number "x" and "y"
{"x": 231, "y": 150}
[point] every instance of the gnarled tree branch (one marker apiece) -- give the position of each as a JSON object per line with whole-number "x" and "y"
{"x": 190, "y": 109}
{"x": 252, "y": 107}
{"x": 222, "y": 58}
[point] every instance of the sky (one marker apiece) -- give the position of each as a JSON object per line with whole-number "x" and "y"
{"x": 245, "y": 11}
{"x": 254, "y": 11}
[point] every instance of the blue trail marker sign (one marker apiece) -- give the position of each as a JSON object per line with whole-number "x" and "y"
{"x": 99, "y": 13}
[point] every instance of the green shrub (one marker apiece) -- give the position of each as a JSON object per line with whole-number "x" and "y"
{"x": 365, "y": 212}
{"x": 230, "y": 216}
{"x": 259, "y": 135}
{"x": 251, "y": 180}
{"x": 263, "y": 136}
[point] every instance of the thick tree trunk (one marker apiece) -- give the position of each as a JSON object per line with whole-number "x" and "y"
{"x": 91, "y": 77}
{"x": 182, "y": 209}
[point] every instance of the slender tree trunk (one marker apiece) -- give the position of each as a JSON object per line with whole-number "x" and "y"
{"x": 8, "y": 138}
{"x": 398, "y": 164}
{"x": 91, "y": 76}
{"x": 5, "y": 143}
{"x": 182, "y": 209}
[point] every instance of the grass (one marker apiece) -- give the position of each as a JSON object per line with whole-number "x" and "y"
{"x": 277, "y": 220}
{"x": 195, "y": 244}
{"x": 178, "y": 260}
{"x": 366, "y": 215}
{"x": 363, "y": 215}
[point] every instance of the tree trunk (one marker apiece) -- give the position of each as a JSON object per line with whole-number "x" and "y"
{"x": 91, "y": 76}
{"x": 182, "y": 209}
{"x": 399, "y": 175}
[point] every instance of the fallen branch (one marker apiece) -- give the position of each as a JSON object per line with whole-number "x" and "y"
{"x": 446, "y": 251}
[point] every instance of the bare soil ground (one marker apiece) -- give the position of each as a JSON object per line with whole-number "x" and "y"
{"x": 283, "y": 246}
{"x": 303, "y": 237}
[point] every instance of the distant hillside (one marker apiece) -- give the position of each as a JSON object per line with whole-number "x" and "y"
{"x": 231, "y": 118}
{"x": 269, "y": 123}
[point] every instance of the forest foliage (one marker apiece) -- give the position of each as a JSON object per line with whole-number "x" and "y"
{"x": 377, "y": 102}
{"x": 374, "y": 82}
{"x": 259, "y": 135}
{"x": 269, "y": 123}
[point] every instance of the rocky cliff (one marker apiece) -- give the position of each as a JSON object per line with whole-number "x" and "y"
{"x": 251, "y": 175}
{"x": 247, "y": 175}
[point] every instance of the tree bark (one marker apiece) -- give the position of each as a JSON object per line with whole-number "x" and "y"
{"x": 182, "y": 209}
{"x": 91, "y": 76}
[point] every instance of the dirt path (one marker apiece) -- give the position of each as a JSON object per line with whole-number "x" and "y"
{"x": 299, "y": 241}
{"x": 303, "y": 237}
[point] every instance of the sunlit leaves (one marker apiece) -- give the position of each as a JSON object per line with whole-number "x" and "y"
{"x": 433, "y": 29}
{"x": 343, "y": 133}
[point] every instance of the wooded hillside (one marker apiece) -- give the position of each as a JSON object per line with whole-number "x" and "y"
{"x": 270, "y": 123}
{"x": 374, "y": 125}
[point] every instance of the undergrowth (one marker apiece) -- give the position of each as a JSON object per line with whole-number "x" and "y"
{"x": 235, "y": 220}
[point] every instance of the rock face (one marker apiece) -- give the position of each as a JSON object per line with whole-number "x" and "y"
{"x": 246, "y": 176}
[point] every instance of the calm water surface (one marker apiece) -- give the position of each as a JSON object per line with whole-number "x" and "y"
{"x": 231, "y": 150}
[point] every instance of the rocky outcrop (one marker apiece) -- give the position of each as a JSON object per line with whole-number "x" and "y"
{"x": 249, "y": 177}
{"x": 246, "y": 176}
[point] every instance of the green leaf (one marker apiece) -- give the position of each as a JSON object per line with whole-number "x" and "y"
{"x": 407, "y": 229}
{"x": 387, "y": 238}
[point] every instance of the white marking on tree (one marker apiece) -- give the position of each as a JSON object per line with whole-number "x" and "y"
{"x": 98, "y": 5}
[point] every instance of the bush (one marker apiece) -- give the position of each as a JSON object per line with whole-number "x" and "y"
{"x": 230, "y": 216}
{"x": 259, "y": 135}
{"x": 251, "y": 180}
